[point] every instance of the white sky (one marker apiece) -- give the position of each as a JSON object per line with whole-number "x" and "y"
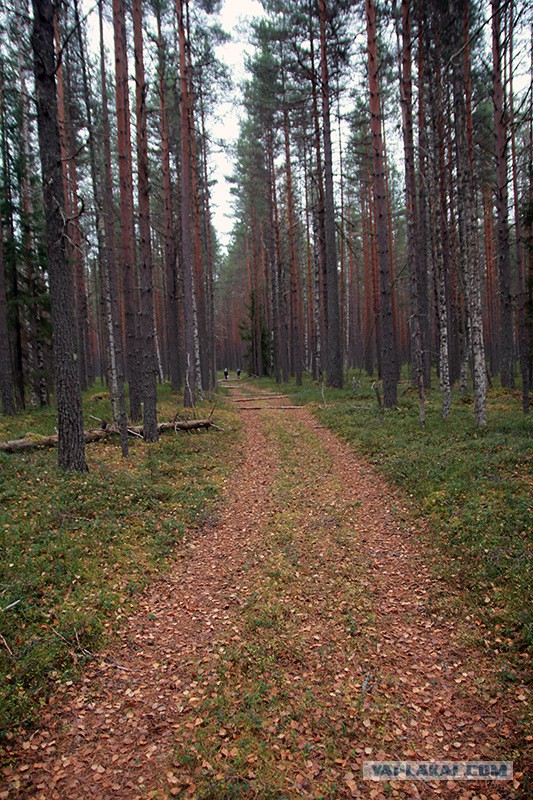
{"x": 233, "y": 17}
{"x": 224, "y": 127}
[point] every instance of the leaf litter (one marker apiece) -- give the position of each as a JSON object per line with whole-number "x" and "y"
{"x": 298, "y": 635}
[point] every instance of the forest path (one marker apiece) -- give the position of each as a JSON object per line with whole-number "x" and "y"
{"x": 300, "y": 635}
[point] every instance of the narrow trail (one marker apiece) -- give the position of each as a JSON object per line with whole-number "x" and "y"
{"x": 299, "y": 635}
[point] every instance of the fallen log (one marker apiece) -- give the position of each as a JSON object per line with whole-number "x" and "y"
{"x": 268, "y": 408}
{"x": 263, "y": 397}
{"x": 36, "y": 442}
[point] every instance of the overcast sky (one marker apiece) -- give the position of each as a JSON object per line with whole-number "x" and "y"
{"x": 233, "y": 18}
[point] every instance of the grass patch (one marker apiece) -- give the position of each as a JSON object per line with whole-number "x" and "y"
{"x": 475, "y": 485}
{"x": 77, "y": 549}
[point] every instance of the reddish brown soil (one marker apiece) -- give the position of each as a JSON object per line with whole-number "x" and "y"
{"x": 112, "y": 735}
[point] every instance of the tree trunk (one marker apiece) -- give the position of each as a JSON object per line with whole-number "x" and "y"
{"x": 274, "y": 254}
{"x": 114, "y": 325}
{"x": 334, "y": 376}
{"x": 388, "y": 349}
{"x": 501, "y": 200}
{"x": 422, "y": 259}
{"x": 70, "y": 184}
{"x": 37, "y": 345}
{"x": 186, "y": 217}
{"x": 173, "y": 332}
{"x": 296, "y": 344}
{"x": 491, "y": 280}
{"x": 279, "y": 283}
{"x": 87, "y": 100}
{"x": 520, "y": 256}
{"x": 127, "y": 237}
{"x": 255, "y": 296}
{"x": 317, "y": 198}
{"x": 95, "y": 434}
{"x": 413, "y": 237}
{"x": 374, "y": 267}
{"x": 439, "y": 228}
{"x": 71, "y": 444}
{"x": 320, "y": 288}
{"x": 199, "y": 295}
{"x": 211, "y": 374}
{"x": 467, "y": 207}
{"x": 147, "y": 327}
{"x": 7, "y": 388}
{"x": 13, "y": 293}
{"x": 369, "y": 319}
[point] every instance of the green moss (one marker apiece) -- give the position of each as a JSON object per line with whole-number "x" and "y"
{"x": 77, "y": 549}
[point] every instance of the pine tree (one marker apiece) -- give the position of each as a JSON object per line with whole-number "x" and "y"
{"x": 388, "y": 347}
{"x": 71, "y": 444}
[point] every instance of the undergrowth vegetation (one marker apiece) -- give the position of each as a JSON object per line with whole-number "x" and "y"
{"x": 76, "y": 549}
{"x": 474, "y": 484}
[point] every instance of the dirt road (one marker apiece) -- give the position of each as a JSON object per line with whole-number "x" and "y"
{"x": 298, "y": 636}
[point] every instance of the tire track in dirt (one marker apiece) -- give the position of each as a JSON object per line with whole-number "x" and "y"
{"x": 111, "y": 735}
{"x": 439, "y": 699}
{"x": 344, "y": 652}
{"x": 401, "y": 685}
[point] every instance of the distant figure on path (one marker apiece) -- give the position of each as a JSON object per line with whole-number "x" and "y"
{"x": 238, "y": 374}
{"x": 226, "y": 373}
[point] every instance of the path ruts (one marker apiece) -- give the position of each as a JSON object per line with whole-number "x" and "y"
{"x": 312, "y": 534}
{"x": 110, "y": 736}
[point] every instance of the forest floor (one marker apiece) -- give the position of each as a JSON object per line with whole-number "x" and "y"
{"x": 301, "y": 632}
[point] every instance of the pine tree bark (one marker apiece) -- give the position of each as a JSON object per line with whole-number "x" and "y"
{"x": 37, "y": 347}
{"x": 296, "y": 344}
{"x": 388, "y": 348}
{"x": 438, "y": 210}
{"x": 320, "y": 286}
{"x": 9, "y": 231}
{"x": 87, "y": 102}
{"x": 70, "y": 183}
{"x": 255, "y": 296}
{"x": 466, "y": 210}
{"x": 501, "y": 200}
{"x": 283, "y": 326}
{"x": 413, "y": 237}
{"x": 147, "y": 327}
{"x": 422, "y": 259}
{"x": 199, "y": 298}
{"x": 374, "y": 273}
{"x": 520, "y": 257}
{"x": 334, "y": 376}
{"x": 110, "y": 280}
{"x": 488, "y": 237}
{"x": 311, "y": 316}
{"x": 71, "y": 443}
{"x": 127, "y": 237}
{"x": 211, "y": 374}
{"x": 273, "y": 257}
{"x": 7, "y": 388}
{"x": 187, "y": 218}
{"x": 172, "y": 316}
{"x": 369, "y": 320}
